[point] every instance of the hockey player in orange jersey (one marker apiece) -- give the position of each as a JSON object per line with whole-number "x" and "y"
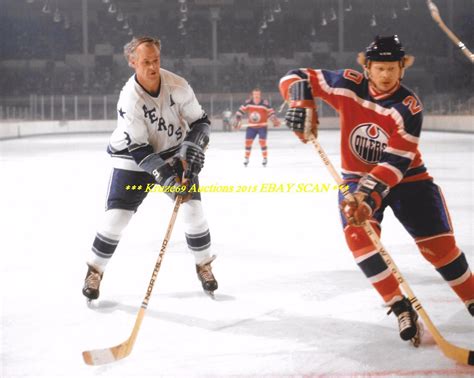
{"x": 259, "y": 112}
{"x": 381, "y": 163}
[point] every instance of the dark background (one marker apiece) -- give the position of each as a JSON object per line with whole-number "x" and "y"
{"x": 74, "y": 47}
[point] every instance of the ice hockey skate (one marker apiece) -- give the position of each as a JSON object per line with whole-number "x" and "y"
{"x": 264, "y": 162}
{"x": 246, "y": 162}
{"x": 92, "y": 283}
{"x": 408, "y": 325}
{"x": 204, "y": 273}
{"x": 470, "y": 307}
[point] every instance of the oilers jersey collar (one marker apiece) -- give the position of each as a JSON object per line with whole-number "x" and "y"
{"x": 376, "y": 95}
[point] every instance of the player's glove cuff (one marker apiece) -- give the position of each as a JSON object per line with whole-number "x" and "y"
{"x": 374, "y": 190}
{"x": 193, "y": 156}
{"x": 165, "y": 175}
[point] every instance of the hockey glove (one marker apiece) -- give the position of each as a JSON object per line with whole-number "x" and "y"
{"x": 168, "y": 177}
{"x": 367, "y": 198}
{"x": 276, "y": 121}
{"x": 301, "y": 116}
{"x": 192, "y": 149}
{"x": 237, "y": 124}
{"x": 193, "y": 158}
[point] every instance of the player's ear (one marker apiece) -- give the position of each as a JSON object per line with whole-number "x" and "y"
{"x": 131, "y": 62}
{"x": 361, "y": 59}
{"x": 408, "y": 61}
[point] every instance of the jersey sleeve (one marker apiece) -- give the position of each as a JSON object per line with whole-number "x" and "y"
{"x": 135, "y": 132}
{"x": 327, "y": 85}
{"x": 402, "y": 144}
{"x": 190, "y": 109}
{"x": 270, "y": 110}
{"x": 242, "y": 109}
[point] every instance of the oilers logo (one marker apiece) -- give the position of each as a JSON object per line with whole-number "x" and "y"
{"x": 368, "y": 141}
{"x": 254, "y": 117}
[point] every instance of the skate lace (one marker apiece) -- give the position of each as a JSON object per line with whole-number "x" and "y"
{"x": 206, "y": 273}
{"x": 404, "y": 320}
{"x": 93, "y": 280}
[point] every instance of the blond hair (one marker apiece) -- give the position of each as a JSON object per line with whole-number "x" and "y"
{"x": 130, "y": 47}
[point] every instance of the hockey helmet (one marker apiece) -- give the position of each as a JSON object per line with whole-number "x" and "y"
{"x": 385, "y": 49}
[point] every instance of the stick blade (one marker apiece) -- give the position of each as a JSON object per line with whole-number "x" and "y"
{"x": 106, "y": 356}
{"x": 461, "y": 355}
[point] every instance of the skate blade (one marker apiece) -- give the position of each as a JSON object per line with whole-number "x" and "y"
{"x": 92, "y": 303}
{"x": 416, "y": 341}
{"x": 210, "y": 294}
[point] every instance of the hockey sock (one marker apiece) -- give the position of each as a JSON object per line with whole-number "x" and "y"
{"x": 450, "y": 262}
{"x": 248, "y": 147}
{"x": 102, "y": 250}
{"x": 263, "y": 146}
{"x": 107, "y": 238}
{"x": 198, "y": 236}
{"x": 459, "y": 277}
{"x": 372, "y": 264}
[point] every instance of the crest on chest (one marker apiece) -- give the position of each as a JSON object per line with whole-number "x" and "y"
{"x": 367, "y": 142}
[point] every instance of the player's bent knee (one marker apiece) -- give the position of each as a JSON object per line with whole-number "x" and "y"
{"x": 439, "y": 250}
{"x": 194, "y": 218}
{"x": 114, "y": 222}
{"x": 358, "y": 241}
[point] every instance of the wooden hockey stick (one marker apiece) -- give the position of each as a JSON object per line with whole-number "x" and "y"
{"x": 282, "y": 106}
{"x": 461, "y": 355}
{"x": 436, "y": 16}
{"x": 108, "y": 355}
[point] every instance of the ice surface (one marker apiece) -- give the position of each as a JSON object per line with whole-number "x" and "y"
{"x": 291, "y": 300}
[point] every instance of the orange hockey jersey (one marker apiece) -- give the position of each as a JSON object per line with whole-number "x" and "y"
{"x": 258, "y": 114}
{"x": 379, "y": 132}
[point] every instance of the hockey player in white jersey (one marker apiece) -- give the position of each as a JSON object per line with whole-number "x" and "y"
{"x": 161, "y": 128}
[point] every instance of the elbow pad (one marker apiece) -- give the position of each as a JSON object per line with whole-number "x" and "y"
{"x": 199, "y": 134}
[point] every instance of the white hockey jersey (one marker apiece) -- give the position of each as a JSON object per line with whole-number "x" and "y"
{"x": 161, "y": 122}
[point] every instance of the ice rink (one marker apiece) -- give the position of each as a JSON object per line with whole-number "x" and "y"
{"x": 291, "y": 300}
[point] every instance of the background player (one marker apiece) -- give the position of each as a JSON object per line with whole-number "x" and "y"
{"x": 161, "y": 127}
{"x": 259, "y": 111}
{"x": 380, "y": 128}
{"x": 227, "y": 120}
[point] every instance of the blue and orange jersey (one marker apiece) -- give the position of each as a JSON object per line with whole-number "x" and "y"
{"x": 258, "y": 114}
{"x": 379, "y": 132}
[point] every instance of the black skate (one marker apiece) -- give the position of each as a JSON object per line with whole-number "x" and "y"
{"x": 470, "y": 307}
{"x": 264, "y": 162}
{"x": 408, "y": 325}
{"x": 204, "y": 273}
{"x": 246, "y": 162}
{"x": 92, "y": 283}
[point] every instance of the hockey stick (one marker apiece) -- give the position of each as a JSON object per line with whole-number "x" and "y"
{"x": 436, "y": 16}
{"x": 108, "y": 355}
{"x": 461, "y": 355}
{"x": 282, "y": 106}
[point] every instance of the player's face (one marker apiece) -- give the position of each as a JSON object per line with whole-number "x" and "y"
{"x": 256, "y": 96}
{"x": 147, "y": 63}
{"x": 384, "y": 75}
